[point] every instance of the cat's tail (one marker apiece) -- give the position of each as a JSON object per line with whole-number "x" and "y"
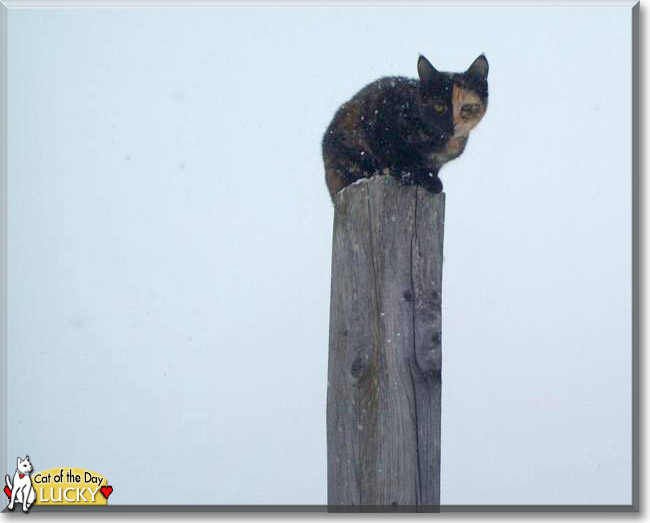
{"x": 8, "y": 481}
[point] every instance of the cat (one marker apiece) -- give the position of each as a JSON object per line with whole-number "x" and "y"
{"x": 22, "y": 490}
{"x": 408, "y": 128}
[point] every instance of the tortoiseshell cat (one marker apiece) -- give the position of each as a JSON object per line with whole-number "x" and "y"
{"x": 405, "y": 127}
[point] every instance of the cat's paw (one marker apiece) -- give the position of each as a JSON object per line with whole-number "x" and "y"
{"x": 430, "y": 181}
{"x": 435, "y": 185}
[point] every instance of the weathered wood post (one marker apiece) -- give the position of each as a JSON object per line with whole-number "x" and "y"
{"x": 383, "y": 398}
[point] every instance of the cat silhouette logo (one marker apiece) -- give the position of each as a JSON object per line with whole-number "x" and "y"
{"x": 21, "y": 490}
{"x": 57, "y": 486}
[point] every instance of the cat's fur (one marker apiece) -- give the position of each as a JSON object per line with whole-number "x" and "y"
{"x": 405, "y": 127}
{"x": 22, "y": 490}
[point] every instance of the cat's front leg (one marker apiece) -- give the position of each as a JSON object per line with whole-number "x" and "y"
{"x": 429, "y": 179}
{"x": 31, "y": 496}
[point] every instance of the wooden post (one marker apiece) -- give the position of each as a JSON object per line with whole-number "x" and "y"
{"x": 383, "y": 396}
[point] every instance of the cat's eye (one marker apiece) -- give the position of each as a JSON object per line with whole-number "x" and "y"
{"x": 439, "y": 108}
{"x": 470, "y": 109}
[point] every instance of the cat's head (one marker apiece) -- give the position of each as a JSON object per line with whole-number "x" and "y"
{"x": 434, "y": 100}
{"x": 24, "y": 466}
{"x": 470, "y": 96}
{"x": 453, "y": 103}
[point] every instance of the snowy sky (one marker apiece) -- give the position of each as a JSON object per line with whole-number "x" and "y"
{"x": 170, "y": 242}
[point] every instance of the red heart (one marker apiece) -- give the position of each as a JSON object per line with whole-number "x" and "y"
{"x": 8, "y": 492}
{"x": 107, "y": 491}
{"x": 21, "y": 476}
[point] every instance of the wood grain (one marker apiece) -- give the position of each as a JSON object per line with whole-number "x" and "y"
{"x": 385, "y": 359}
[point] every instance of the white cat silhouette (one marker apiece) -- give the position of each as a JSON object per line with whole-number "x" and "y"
{"x": 22, "y": 490}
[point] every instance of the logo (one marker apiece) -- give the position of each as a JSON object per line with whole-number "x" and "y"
{"x": 57, "y": 486}
{"x": 21, "y": 490}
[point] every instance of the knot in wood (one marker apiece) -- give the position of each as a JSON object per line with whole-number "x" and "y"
{"x": 429, "y": 357}
{"x": 357, "y": 368}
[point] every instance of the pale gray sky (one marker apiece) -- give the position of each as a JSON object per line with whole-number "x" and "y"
{"x": 170, "y": 242}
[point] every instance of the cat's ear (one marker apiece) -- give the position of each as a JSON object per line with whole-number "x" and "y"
{"x": 26, "y": 458}
{"x": 427, "y": 73}
{"x": 18, "y": 462}
{"x": 479, "y": 68}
